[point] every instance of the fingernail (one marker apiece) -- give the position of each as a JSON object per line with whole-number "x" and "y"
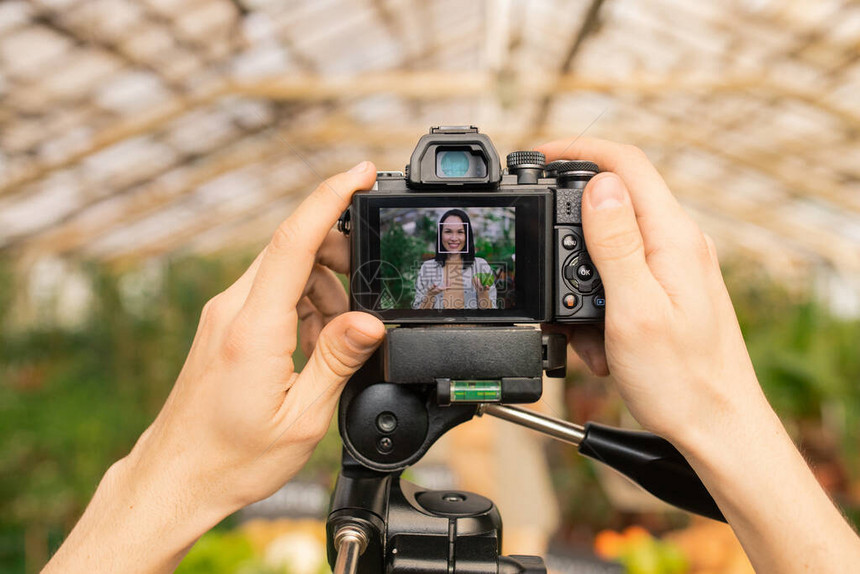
{"x": 606, "y": 193}
{"x": 360, "y": 340}
{"x": 360, "y": 167}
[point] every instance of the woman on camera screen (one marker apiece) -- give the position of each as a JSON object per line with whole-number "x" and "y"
{"x": 455, "y": 278}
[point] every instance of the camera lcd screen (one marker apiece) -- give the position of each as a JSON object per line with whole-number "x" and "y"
{"x": 451, "y": 258}
{"x": 446, "y": 258}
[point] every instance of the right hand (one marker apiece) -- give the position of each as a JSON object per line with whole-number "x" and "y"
{"x": 672, "y": 340}
{"x": 435, "y": 290}
{"x": 430, "y": 296}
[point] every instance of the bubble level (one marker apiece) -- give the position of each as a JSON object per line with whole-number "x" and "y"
{"x": 476, "y": 391}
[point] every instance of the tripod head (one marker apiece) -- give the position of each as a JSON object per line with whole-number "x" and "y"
{"x": 426, "y": 380}
{"x": 421, "y": 383}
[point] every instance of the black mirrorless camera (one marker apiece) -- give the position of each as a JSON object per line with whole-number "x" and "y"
{"x": 458, "y": 253}
{"x": 455, "y": 239}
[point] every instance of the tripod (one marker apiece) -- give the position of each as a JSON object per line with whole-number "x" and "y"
{"x": 392, "y": 411}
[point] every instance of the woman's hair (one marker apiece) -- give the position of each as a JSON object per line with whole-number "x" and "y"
{"x": 469, "y": 255}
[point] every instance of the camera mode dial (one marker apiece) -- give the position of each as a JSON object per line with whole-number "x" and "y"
{"x": 526, "y": 165}
{"x": 552, "y": 167}
{"x": 520, "y": 159}
{"x": 576, "y": 167}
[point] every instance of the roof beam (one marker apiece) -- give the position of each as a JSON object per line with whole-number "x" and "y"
{"x": 416, "y": 86}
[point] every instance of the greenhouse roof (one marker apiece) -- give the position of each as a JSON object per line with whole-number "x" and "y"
{"x": 133, "y": 130}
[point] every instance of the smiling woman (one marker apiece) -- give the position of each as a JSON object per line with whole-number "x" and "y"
{"x": 455, "y": 278}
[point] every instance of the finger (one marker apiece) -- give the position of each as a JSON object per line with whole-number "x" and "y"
{"x": 334, "y": 252}
{"x": 291, "y": 253}
{"x": 587, "y": 341}
{"x": 236, "y": 294}
{"x": 326, "y": 292}
{"x": 712, "y": 251}
{"x": 324, "y": 299}
{"x": 343, "y": 346}
{"x": 615, "y": 245}
{"x": 664, "y": 223}
{"x": 310, "y": 325}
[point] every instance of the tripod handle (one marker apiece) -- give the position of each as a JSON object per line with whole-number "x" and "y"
{"x": 652, "y": 463}
{"x": 647, "y": 459}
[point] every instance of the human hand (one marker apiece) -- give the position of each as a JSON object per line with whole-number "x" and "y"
{"x": 480, "y": 287}
{"x": 434, "y": 290}
{"x": 240, "y": 422}
{"x": 672, "y": 341}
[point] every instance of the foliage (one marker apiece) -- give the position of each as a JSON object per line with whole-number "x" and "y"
{"x": 221, "y": 552}
{"x": 402, "y": 251}
{"x": 233, "y": 552}
{"x": 74, "y": 399}
{"x": 806, "y": 359}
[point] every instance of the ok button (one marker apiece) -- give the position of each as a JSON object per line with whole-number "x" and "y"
{"x": 585, "y": 272}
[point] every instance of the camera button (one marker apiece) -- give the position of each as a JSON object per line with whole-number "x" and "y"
{"x": 585, "y": 272}
{"x": 600, "y": 302}
{"x": 570, "y": 272}
{"x": 569, "y": 301}
{"x": 569, "y": 242}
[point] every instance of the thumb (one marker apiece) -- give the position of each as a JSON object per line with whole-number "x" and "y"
{"x": 342, "y": 348}
{"x": 614, "y": 242}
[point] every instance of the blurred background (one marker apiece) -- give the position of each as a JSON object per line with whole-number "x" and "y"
{"x": 149, "y": 148}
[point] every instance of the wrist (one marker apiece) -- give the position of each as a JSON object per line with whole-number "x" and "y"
{"x": 134, "y": 523}
{"x": 178, "y": 485}
{"x": 163, "y": 506}
{"x": 768, "y": 494}
{"x": 169, "y": 507}
{"x": 726, "y": 419}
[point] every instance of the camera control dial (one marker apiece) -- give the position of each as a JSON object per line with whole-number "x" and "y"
{"x": 576, "y": 167}
{"x": 552, "y": 167}
{"x": 526, "y": 165}
{"x": 520, "y": 159}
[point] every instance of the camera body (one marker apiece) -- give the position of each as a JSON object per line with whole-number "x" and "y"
{"x": 457, "y": 240}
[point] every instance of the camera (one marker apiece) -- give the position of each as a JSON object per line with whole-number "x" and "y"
{"x": 456, "y": 239}
{"x": 457, "y": 254}
{"x": 454, "y": 253}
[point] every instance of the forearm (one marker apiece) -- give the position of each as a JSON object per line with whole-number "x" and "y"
{"x": 779, "y": 512}
{"x": 137, "y": 522}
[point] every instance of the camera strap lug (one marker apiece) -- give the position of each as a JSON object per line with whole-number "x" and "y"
{"x": 344, "y": 223}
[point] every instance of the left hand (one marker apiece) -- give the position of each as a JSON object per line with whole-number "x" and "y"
{"x": 239, "y": 422}
{"x": 480, "y": 288}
